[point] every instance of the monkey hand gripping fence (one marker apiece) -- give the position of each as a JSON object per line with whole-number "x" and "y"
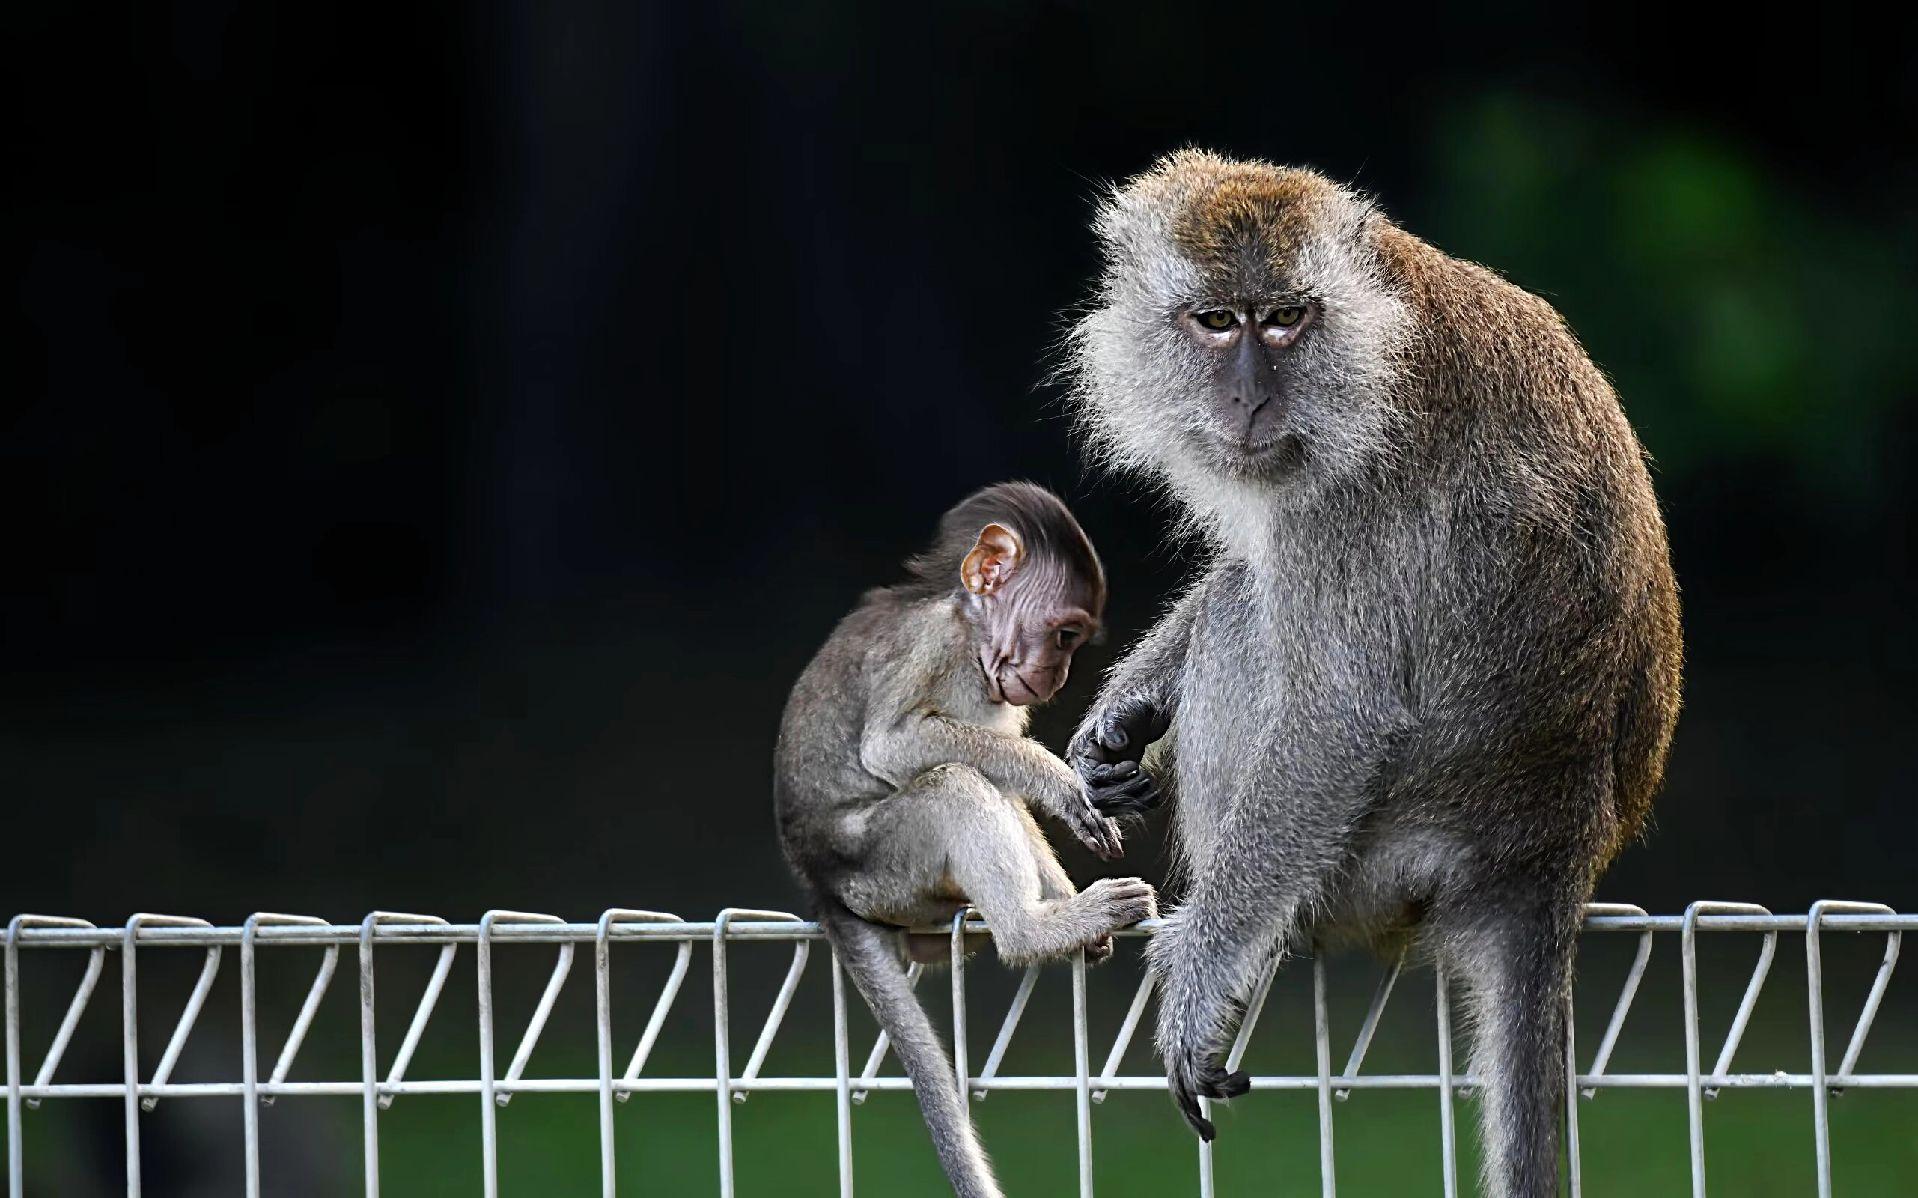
{"x": 144, "y": 934}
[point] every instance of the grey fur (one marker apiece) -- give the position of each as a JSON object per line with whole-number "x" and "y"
{"x": 903, "y": 791}
{"x": 1427, "y": 682}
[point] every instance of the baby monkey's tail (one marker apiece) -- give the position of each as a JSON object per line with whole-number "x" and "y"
{"x": 871, "y": 957}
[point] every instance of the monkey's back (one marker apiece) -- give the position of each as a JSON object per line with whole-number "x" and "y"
{"x": 1558, "y": 590}
{"x": 817, "y": 775}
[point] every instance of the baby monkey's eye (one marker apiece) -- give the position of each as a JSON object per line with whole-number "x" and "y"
{"x": 1287, "y": 316}
{"x": 1067, "y": 637}
{"x": 1217, "y": 319}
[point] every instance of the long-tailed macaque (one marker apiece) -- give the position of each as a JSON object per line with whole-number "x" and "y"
{"x": 905, "y": 783}
{"x": 1428, "y": 679}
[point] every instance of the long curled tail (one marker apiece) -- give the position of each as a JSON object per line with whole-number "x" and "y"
{"x": 872, "y": 961}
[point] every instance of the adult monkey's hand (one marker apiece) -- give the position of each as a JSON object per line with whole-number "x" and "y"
{"x": 1108, "y": 754}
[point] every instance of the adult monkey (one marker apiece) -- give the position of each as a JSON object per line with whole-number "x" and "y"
{"x": 903, "y": 777}
{"x": 1428, "y": 680}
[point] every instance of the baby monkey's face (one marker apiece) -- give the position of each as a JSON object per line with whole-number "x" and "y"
{"x": 1030, "y": 663}
{"x": 1031, "y": 612}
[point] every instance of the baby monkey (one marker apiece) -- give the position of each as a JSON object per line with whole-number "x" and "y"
{"x": 905, "y": 783}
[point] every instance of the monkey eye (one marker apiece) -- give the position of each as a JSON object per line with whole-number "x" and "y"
{"x": 1286, "y": 316}
{"x": 1066, "y": 638}
{"x": 1217, "y": 319}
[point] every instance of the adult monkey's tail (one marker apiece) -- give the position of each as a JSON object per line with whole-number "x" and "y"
{"x": 871, "y": 959}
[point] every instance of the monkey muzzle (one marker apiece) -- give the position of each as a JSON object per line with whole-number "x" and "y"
{"x": 1248, "y": 398}
{"x": 1022, "y": 686}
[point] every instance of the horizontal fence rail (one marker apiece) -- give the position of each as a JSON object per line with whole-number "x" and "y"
{"x": 1832, "y": 1069}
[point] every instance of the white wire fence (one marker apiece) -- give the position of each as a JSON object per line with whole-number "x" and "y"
{"x": 37, "y": 937}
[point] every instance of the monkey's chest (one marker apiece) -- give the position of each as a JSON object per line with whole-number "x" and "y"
{"x": 1263, "y": 687}
{"x": 1235, "y": 698}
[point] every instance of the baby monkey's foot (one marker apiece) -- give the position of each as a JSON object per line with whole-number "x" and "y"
{"x": 1122, "y": 902}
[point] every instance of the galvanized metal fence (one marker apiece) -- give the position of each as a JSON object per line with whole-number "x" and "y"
{"x": 1089, "y": 1087}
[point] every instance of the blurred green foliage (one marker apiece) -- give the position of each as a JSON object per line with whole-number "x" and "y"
{"x": 1744, "y": 317}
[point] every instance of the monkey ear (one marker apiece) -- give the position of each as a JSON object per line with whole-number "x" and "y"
{"x": 994, "y": 557}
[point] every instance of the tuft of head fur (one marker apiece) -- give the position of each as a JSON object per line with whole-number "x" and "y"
{"x": 1045, "y": 526}
{"x": 1200, "y": 229}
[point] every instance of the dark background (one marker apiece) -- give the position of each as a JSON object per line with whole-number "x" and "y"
{"x": 436, "y": 437}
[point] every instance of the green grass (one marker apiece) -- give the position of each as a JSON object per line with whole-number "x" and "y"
{"x": 1758, "y": 1145}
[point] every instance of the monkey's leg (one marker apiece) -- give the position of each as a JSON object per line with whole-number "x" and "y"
{"x": 952, "y": 830}
{"x": 1054, "y": 884}
{"x": 1516, "y": 966}
{"x": 1260, "y": 858}
{"x": 1208, "y": 958}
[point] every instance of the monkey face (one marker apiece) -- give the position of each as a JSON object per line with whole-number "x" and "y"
{"x": 1243, "y": 330}
{"x": 1030, "y": 612}
{"x": 1253, "y": 377}
{"x": 1030, "y": 662}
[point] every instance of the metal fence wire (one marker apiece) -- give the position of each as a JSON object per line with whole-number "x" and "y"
{"x": 1088, "y": 1085}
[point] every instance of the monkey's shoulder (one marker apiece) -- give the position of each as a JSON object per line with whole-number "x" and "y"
{"x": 892, "y": 655}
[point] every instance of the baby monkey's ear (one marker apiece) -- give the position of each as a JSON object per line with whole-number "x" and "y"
{"x": 994, "y": 558}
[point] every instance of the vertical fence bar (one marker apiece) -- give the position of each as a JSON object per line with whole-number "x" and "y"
{"x": 1322, "y": 1036}
{"x": 1694, "y": 1085}
{"x": 959, "y": 1070}
{"x": 1249, "y": 1020}
{"x": 1694, "y": 1091}
{"x": 489, "y": 1111}
{"x": 722, "y": 1034}
{"x": 1082, "y": 1065}
{"x": 842, "y": 1077}
{"x": 1571, "y": 1098}
{"x": 369, "y": 1068}
{"x": 250, "y": 1054}
{"x": 722, "y": 1055}
{"x": 130, "y": 1054}
{"x": 603, "y": 1014}
{"x": 1815, "y": 1006}
{"x": 16, "y": 1172}
{"x": 1208, "y": 1184}
{"x": 1208, "y": 1179}
{"x": 372, "y": 1102}
{"x": 16, "y": 1134}
{"x": 490, "y": 1097}
{"x": 1448, "y": 1126}
{"x": 603, "y": 1022}
{"x": 16, "y": 1117}
{"x": 250, "y": 1029}
{"x": 130, "y": 1026}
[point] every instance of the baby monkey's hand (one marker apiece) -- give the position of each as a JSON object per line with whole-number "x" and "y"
{"x": 1095, "y": 831}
